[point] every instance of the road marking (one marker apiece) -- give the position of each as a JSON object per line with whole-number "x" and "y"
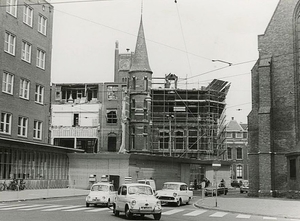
{"x": 218, "y": 214}
{"x": 173, "y": 211}
{"x": 43, "y": 207}
{"x": 269, "y": 218}
{"x": 96, "y": 210}
{"x": 12, "y": 205}
{"x": 243, "y": 216}
{"x": 77, "y": 209}
{"x": 195, "y": 213}
{"x": 61, "y": 208}
{"x": 20, "y": 207}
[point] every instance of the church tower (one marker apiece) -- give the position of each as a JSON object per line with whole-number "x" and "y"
{"x": 139, "y": 87}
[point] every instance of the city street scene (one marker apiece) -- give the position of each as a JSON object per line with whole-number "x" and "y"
{"x": 150, "y": 110}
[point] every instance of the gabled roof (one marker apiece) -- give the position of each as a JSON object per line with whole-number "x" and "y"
{"x": 140, "y": 57}
{"x": 233, "y": 125}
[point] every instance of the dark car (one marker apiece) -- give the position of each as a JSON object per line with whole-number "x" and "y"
{"x": 211, "y": 190}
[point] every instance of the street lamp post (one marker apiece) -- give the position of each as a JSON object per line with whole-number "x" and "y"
{"x": 170, "y": 117}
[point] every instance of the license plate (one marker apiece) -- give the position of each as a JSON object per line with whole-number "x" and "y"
{"x": 146, "y": 207}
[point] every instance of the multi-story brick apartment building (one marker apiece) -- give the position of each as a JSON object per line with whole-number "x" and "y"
{"x": 236, "y": 142}
{"x": 25, "y": 66}
{"x": 274, "y": 150}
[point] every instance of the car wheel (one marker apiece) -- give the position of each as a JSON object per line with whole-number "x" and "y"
{"x": 142, "y": 215}
{"x": 87, "y": 204}
{"x": 188, "y": 201}
{"x": 241, "y": 191}
{"x": 157, "y": 216}
{"x": 128, "y": 214}
{"x": 179, "y": 202}
{"x": 116, "y": 212}
{"x": 108, "y": 203}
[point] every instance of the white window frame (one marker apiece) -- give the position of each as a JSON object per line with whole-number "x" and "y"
{"x": 42, "y": 25}
{"x": 10, "y": 43}
{"x": 28, "y": 15}
{"x": 7, "y": 83}
{"x": 26, "y": 51}
{"x": 40, "y": 59}
{"x": 39, "y": 94}
{"x": 239, "y": 171}
{"x": 11, "y": 7}
{"x": 24, "y": 89}
{"x": 22, "y": 126}
{"x": 37, "y": 129}
{"x": 239, "y": 135}
{"x": 237, "y": 149}
{"x": 5, "y": 123}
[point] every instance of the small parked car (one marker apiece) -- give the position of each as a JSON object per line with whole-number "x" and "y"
{"x": 244, "y": 187}
{"x": 211, "y": 190}
{"x": 102, "y": 193}
{"x": 137, "y": 199}
{"x": 177, "y": 193}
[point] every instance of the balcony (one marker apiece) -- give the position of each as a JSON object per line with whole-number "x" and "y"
{"x": 78, "y": 132}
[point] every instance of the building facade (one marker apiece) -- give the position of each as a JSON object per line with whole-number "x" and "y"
{"x": 274, "y": 150}
{"x": 236, "y": 149}
{"x": 25, "y": 66}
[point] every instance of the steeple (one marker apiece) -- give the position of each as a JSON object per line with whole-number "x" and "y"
{"x": 140, "y": 57}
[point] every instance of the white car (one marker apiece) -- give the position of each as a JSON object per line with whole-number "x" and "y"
{"x": 174, "y": 192}
{"x": 102, "y": 193}
{"x": 137, "y": 199}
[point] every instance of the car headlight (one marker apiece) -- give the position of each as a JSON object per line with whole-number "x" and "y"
{"x": 133, "y": 202}
{"x": 174, "y": 194}
{"x": 158, "y": 203}
{"x": 103, "y": 197}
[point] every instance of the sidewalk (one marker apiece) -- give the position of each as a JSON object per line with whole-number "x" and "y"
{"x": 271, "y": 207}
{"x": 9, "y": 196}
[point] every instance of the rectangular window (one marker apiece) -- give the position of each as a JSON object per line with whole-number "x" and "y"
{"x": 239, "y": 171}
{"x": 293, "y": 170}
{"x": 11, "y": 7}
{"x": 7, "y": 83}
{"x": 26, "y": 51}
{"x": 40, "y": 58}
{"x": 112, "y": 92}
{"x": 229, "y": 153}
{"x": 228, "y": 135}
{"x": 10, "y": 43}
{"x": 146, "y": 84}
{"x": 76, "y": 120}
{"x": 5, "y": 124}
{"x": 28, "y": 15}
{"x": 37, "y": 130}
{"x": 42, "y": 25}
{"x": 238, "y": 135}
{"x": 24, "y": 89}
{"x": 39, "y": 94}
{"x": 22, "y": 126}
{"x": 239, "y": 153}
{"x": 111, "y": 116}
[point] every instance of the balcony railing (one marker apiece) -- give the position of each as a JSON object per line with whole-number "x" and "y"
{"x": 68, "y": 132}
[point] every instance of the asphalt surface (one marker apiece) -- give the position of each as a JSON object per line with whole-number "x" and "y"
{"x": 232, "y": 202}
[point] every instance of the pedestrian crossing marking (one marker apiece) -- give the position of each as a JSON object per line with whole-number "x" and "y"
{"x": 4, "y": 206}
{"x": 97, "y": 210}
{"x": 76, "y": 209}
{"x": 195, "y": 213}
{"x": 269, "y": 218}
{"x": 61, "y": 208}
{"x": 218, "y": 214}
{"x": 173, "y": 211}
{"x": 20, "y": 207}
{"x": 43, "y": 207}
{"x": 243, "y": 216}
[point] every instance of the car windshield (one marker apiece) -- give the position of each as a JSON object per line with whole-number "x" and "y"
{"x": 140, "y": 190}
{"x": 170, "y": 186}
{"x": 99, "y": 188}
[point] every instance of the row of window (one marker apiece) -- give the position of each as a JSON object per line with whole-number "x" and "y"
{"x": 10, "y": 47}
{"x": 239, "y": 153}
{"x": 24, "y": 88}
{"x": 12, "y": 8}
{"x": 6, "y": 125}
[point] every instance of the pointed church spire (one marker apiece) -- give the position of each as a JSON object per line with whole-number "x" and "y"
{"x": 140, "y": 57}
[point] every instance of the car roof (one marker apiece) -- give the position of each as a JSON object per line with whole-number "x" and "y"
{"x": 175, "y": 183}
{"x": 135, "y": 184}
{"x": 103, "y": 183}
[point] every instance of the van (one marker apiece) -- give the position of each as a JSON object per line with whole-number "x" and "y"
{"x": 149, "y": 182}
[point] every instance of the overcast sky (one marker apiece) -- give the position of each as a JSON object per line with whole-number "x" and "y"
{"x": 182, "y": 38}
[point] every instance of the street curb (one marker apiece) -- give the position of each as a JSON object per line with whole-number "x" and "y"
{"x": 247, "y": 213}
{"x": 42, "y": 198}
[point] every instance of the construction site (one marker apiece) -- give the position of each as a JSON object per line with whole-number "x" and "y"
{"x": 188, "y": 123}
